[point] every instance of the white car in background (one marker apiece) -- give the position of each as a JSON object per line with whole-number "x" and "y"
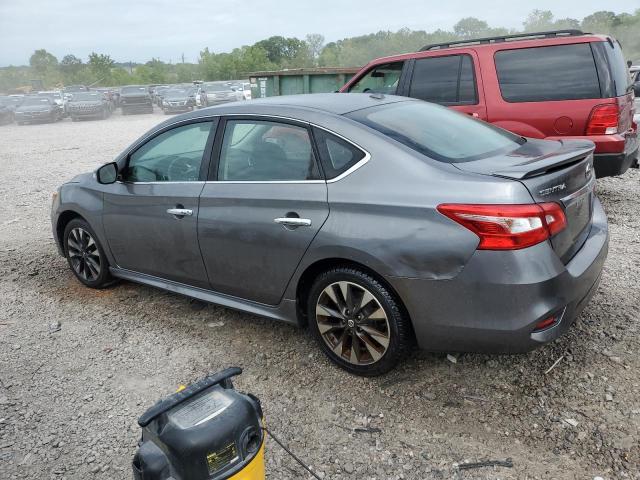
{"x": 245, "y": 88}
{"x": 55, "y": 95}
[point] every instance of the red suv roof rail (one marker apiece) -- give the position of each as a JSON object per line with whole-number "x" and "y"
{"x": 504, "y": 38}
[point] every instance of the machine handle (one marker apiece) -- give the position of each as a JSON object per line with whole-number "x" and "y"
{"x": 222, "y": 378}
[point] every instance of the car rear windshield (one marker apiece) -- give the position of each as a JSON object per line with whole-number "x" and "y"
{"x": 438, "y": 132}
{"x": 558, "y": 72}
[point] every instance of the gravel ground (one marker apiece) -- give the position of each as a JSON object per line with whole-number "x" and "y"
{"x": 69, "y": 400}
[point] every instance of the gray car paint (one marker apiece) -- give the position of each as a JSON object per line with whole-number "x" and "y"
{"x": 382, "y": 216}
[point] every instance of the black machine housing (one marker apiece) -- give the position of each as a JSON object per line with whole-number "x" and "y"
{"x": 206, "y": 431}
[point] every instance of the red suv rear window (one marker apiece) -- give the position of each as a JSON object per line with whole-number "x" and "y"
{"x": 558, "y": 72}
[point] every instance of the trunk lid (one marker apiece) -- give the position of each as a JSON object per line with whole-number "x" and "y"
{"x": 559, "y": 171}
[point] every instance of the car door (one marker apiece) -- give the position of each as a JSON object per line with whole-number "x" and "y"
{"x": 450, "y": 80}
{"x": 263, "y": 207}
{"x": 151, "y": 213}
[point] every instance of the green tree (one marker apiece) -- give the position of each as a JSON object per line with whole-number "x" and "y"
{"x": 315, "y": 42}
{"x": 470, "y": 27}
{"x": 100, "y": 66}
{"x": 539, "y": 21}
{"x": 601, "y": 21}
{"x": 72, "y": 69}
{"x": 42, "y": 61}
{"x": 286, "y": 52}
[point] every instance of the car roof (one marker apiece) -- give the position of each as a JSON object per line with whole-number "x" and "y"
{"x": 334, "y": 103}
{"x": 306, "y": 107}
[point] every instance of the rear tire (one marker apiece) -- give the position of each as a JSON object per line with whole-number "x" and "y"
{"x": 365, "y": 330}
{"x": 85, "y": 254}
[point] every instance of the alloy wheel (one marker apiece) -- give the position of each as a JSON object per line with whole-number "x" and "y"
{"x": 83, "y": 253}
{"x": 352, "y": 323}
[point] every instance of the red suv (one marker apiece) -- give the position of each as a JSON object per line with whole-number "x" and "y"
{"x": 553, "y": 85}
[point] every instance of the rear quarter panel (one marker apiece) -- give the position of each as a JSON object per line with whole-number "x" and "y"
{"x": 384, "y": 215}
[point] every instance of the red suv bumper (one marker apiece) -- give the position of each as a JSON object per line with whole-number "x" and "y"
{"x": 614, "y": 153}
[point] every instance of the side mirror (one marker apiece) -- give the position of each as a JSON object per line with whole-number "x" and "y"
{"x": 108, "y": 173}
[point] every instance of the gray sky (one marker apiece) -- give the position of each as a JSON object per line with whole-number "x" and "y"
{"x": 141, "y": 29}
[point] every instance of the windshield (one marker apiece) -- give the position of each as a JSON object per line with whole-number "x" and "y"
{"x": 134, "y": 90}
{"x": 86, "y": 97}
{"x": 438, "y": 132}
{"x": 28, "y": 101}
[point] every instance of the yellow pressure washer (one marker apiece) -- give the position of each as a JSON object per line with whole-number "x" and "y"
{"x": 206, "y": 431}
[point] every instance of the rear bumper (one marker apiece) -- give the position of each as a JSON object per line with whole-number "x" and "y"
{"x": 612, "y": 164}
{"x": 494, "y": 304}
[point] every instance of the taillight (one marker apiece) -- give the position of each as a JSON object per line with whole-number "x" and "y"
{"x": 508, "y": 227}
{"x": 604, "y": 120}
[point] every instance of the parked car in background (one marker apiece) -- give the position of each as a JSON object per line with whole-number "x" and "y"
{"x": 155, "y": 93}
{"x": 35, "y": 109}
{"x": 245, "y": 88}
{"x": 218, "y": 92}
{"x": 88, "y": 105}
{"x": 135, "y": 99}
{"x": 636, "y": 83}
{"x": 54, "y": 95}
{"x": 554, "y": 85}
{"x": 12, "y": 101}
{"x": 109, "y": 95}
{"x": 159, "y": 94}
{"x": 69, "y": 89}
{"x": 376, "y": 220}
{"x": 6, "y": 115}
{"x": 179, "y": 100}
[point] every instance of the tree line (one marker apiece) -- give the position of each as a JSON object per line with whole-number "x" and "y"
{"x": 277, "y": 52}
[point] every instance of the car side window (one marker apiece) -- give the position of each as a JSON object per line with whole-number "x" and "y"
{"x": 173, "y": 156}
{"x": 448, "y": 80}
{"x": 260, "y": 151}
{"x": 337, "y": 155}
{"x": 380, "y": 79}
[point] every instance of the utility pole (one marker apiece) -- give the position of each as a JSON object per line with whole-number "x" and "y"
{"x": 183, "y": 58}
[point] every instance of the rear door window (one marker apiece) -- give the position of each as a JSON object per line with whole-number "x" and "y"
{"x": 264, "y": 151}
{"x": 380, "y": 79}
{"x": 558, "y": 72}
{"x": 446, "y": 80}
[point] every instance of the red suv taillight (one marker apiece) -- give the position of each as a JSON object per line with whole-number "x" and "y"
{"x": 508, "y": 227}
{"x": 604, "y": 120}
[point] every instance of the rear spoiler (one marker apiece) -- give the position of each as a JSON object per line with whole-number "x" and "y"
{"x": 542, "y": 166}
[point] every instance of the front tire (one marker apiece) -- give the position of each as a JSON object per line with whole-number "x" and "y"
{"x": 85, "y": 254}
{"x": 358, "y": 322}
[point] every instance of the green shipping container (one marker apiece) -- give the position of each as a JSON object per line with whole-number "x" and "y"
{"x": 300, "y": 80}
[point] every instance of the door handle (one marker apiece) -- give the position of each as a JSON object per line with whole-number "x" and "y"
{"x": 180, "y": 212}
{"x": 293, "y": 221}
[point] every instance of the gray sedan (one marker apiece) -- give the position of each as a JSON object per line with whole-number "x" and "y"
{"x": 379, "y": 221}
